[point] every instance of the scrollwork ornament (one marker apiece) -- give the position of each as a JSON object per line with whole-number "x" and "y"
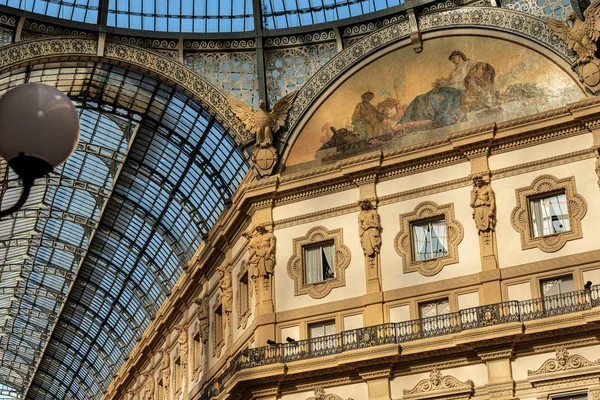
{"x": 321, "y": 395}
{"x": 563, "y": 362}
{"x": 436, "y": 382}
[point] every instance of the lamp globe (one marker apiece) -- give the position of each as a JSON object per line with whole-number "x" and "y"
{"x": 39, "y": 129}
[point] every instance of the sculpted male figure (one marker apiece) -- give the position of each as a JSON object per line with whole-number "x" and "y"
{"x": 483, "y": 202}
{"x": 261, "y": 250}
{"x": 369, "y": 228}
{"x": 226, "y": 290}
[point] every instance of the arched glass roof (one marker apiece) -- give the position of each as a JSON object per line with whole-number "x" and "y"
{"x": 86, "y": 263}
{"x": 202, "y": 16}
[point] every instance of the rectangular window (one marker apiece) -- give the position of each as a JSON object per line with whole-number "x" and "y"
{"x": 555, "y": 292}
{"x": 570, "y": 396}
{"x": 161, "y": 390}
{"x": 178, "y": 377}
{"x": 435, "y": 315}
{"x": 244, "y": 294}
{"x": 197, "y": 352}
{"x": 320, "y": 333}
{"x": 319, "y": 262}
{"x": 219, "y": 324}
{"x": 429, "y": 239}
{"x": 549, "y": 214}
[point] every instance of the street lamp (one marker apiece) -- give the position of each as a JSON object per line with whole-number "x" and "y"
{"x": 39, "y": 129}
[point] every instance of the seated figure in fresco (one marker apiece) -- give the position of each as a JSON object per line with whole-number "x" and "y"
{"x": 366, "y": 118}
{"x": 469, "y": 87}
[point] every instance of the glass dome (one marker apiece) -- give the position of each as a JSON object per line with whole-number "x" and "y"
{"x": 202, "y": 16}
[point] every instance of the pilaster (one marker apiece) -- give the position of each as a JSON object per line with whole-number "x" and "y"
{"x": 378, "y": 383}
{"x": 500, "y": 381}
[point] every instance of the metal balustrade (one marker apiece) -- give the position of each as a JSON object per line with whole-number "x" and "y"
{"x": 401, "y": 332}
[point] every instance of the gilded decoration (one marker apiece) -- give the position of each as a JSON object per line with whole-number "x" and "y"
{"x": 581, "y": 36}
{"x": 403, "y": 243}
{"x": 262, "y": 124}
{"x": 320, "y": 395}
{"x": 218, "y": 341}
{"x": 563, "y": 362}
{"x": 296, "y": 264}
{"x": 243, "y": 315}
{"x": 521, "y": 217}
{"x": 440, "y": 386}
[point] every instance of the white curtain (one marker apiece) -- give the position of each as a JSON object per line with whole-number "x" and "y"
{"x": 314, "y": 264}
{"x": 438, "y": 238}
{"x": 329, "y": 252}
{"x": 420, "y": 238}
{"x": 550, "y": 215}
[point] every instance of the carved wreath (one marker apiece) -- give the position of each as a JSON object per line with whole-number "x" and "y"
{"x": 296, "y": 263}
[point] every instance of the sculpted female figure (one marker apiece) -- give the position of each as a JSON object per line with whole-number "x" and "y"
{"x": 369, "y": 228}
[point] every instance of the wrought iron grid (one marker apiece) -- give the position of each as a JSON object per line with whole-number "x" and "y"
{"x": 401, "y": 332}
{"x": 101, "y": 242}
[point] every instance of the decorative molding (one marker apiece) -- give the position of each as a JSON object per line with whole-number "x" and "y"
{"x": 320, "y": 395}
{"x": 243, "y": 315}
{"x": 309, "y": 38}
{"x": 521, "y": 218}
{"x": 240, "y": 44}
{"x": 316, "y": 216}
{"x": 439, "y": 386}
{"x": 403, "y": 243}
{"x": 563, "y": 362}
{"x": 295, "y": 267}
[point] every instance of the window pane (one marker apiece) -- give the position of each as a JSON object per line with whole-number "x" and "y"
{"x": 319, "y": 262}
{"x": 430, "y": 240}
{"x": 556, "y": 286}
{"x": 549, "y": 215}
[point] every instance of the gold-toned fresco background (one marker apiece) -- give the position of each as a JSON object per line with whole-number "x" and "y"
{"x": 525, "y": 83}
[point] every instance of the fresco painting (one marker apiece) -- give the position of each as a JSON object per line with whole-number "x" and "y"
{"x": 404, "y": 98}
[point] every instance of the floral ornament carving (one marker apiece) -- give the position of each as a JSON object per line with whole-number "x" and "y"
{"x": 369, "y": 230}
{"x": 403, "y": 243}
{"x": 439, "y": 384}
{"x": 563, "y": 362}
{"x": 521, "y": 218}
{"x": 296, "y": 264}
{"x": 320, "y": 395}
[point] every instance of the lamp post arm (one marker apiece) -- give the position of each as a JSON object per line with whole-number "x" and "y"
{"x": 27, "y": 184}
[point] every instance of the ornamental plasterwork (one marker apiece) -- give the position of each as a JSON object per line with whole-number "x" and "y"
{"x": 148, "y": 61}
{"x": 219, "y": 44}
{"x": 489, "y": 18}
{"x": 403, "y": 243}
{"x": 440, "y": 386}
{"x": 563, "y": 362}
{"x": 520, "y": 217}
{"x": 320, "y": 395}
{"x": 243, "y": 315}
{"x": 319, "y": 234}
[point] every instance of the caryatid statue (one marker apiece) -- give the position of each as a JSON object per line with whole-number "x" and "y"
{"x": 202, "y": 316}
{"x": 261, "y": 252}
{"x": 483, "y": 203}
{"x": 262, "y": 124}
{"x": 226, "y": 289}
{"x": 369, "y": 229}
{"x": 148, "y": 388}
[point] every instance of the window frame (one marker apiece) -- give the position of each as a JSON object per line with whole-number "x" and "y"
{"x": 413, "y": 241}
{"x": 218, "y": 332}
{"x": 305, "y": 261}
{"x": 404, "y": 241}
{"x": 543, "y": 196}
{"x": 521, "y": 217}
{"x": 296, "y": 264}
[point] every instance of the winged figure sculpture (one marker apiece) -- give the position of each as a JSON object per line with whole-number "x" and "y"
{"x": 580, "y": 36}
{"x": 262, "y": 123}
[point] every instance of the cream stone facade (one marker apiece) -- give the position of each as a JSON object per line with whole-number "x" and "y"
{"x": 300, "y": 292}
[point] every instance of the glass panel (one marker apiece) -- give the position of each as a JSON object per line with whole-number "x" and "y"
{"x": 432, "y": 315}
{"x": 429, "y": 240}
{"x": 549, "y": 215}
{"x": 319, "y": 262}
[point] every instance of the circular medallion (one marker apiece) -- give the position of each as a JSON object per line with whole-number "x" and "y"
{"x": 590, "y": 74}
{"x": 266, "y": 158}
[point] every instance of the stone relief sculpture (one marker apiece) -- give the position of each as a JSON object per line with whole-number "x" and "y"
{"x": 483, "y": 203}
{"x": 437, "y": 382}
{"x": 261, "y": 252}
{"x": 320, "y": 395}
{"x": 226, "y": 290}
{"x": 563, "y": 362}
{"x": 369, "y": 229}
{"x": 263, "y": 124}
{"x": 202, "y": 316}
{"x": 166, "y": 371}
{"x": 581, "y": 37}
{"x": 147, "y": 392}
{"x": 182, "y": 340}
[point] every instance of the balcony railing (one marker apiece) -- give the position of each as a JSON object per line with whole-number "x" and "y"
{"x": 401, "y": 332}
